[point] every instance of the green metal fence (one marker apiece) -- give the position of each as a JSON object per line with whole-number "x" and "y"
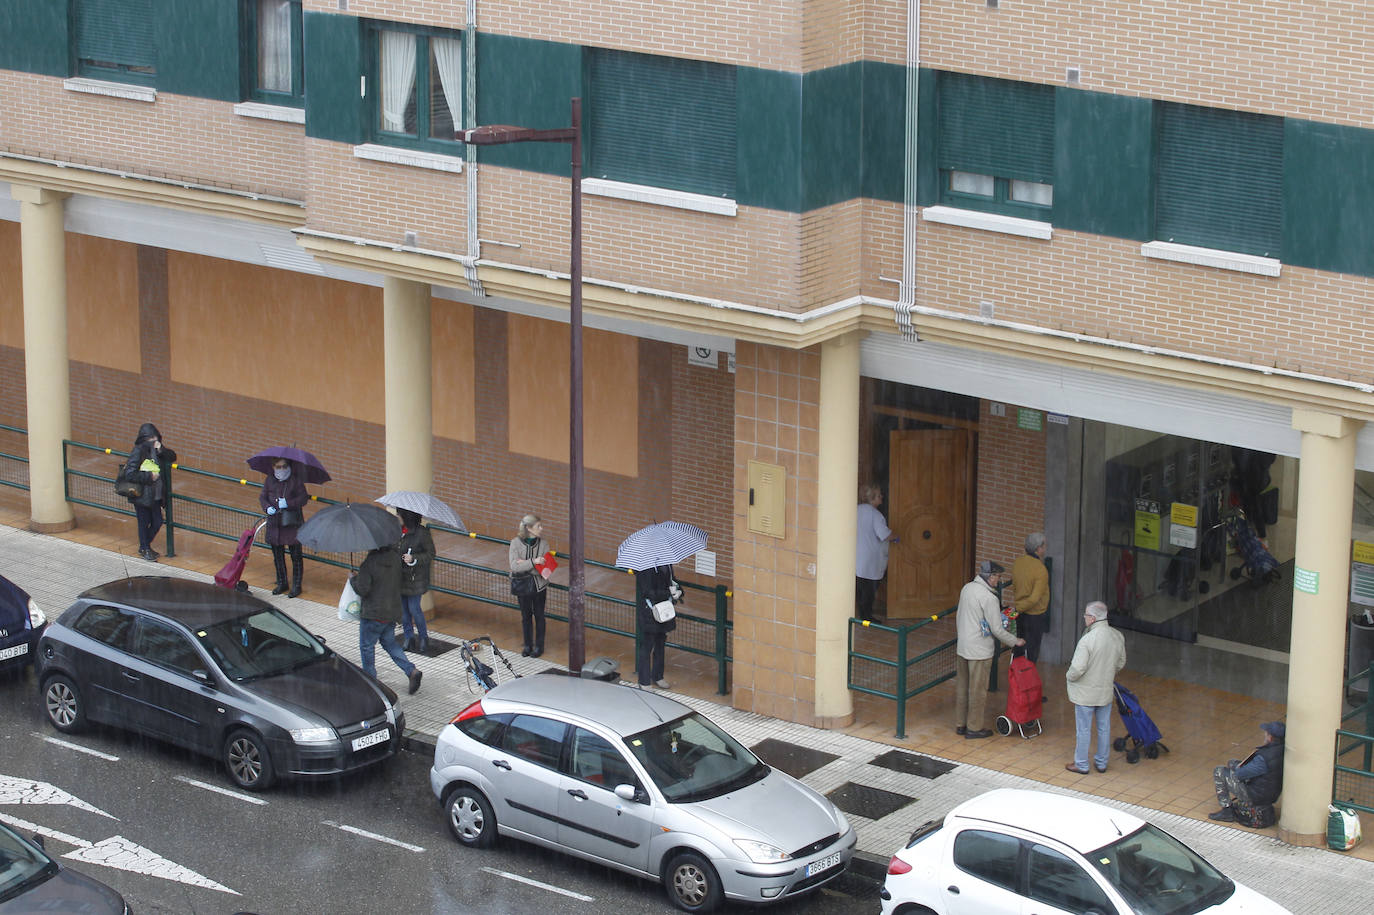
{"x": 1352, "y": 783}
{"x": 14, "y": 467}
{"x": 899, "y": 662}
{"x": 226, "y": 506}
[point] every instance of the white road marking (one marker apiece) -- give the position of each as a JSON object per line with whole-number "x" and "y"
{"x": 76, "y": 746}
{"x": 224, "y": 791}
{"x": 27, "y": 791}
{"x": 372, "y": 835}
{"x": 535, "y": 883}
{"x": 118, "y": 852}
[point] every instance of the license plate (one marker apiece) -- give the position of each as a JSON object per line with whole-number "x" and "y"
{"x": 825, "y": 864}
{"x": 368, "y": 740}
{"x": 21, "y": 649}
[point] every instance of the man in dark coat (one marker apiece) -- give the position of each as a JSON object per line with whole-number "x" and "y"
{"x": 653, "y": 586}
{"x": 1245, "y": 788}
{"x": 282, "y": 496}
{"x": 148, "y": 463}
{"x": 378, "y": 583}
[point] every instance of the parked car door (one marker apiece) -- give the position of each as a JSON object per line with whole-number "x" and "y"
{"x": 1057, "y": 883}
{"x": 525, "y": 775}
{"x": 171, "y": 703}
{"x": 98, "y": 668}
{"x": 592, "y": 819}
{"x": 984, "y": 875}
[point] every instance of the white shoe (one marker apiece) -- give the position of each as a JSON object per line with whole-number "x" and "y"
{"x": 661, "y": 684}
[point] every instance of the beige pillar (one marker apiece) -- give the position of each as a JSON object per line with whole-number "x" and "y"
{"x": 409, "y": 414}
{"x": 43, "y": 258}
{"x": 1321, "y": 585}
{"x": 837, "y": 524}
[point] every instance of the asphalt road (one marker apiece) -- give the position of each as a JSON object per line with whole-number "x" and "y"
{"x": 169, "y": 831}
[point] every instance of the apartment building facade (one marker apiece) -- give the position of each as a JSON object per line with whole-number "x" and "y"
{"x": 1028, "y": 264}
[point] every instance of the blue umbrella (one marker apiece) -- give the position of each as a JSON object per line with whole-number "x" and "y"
{"x": 660, "y": 544}
{"x": 314, "y": 470}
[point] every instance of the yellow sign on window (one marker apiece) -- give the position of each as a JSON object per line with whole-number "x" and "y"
{"x": 1185, "y": 515}
{"x": 1362, "y": 552}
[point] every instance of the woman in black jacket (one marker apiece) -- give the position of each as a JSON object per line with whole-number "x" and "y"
{"x": 282, "y": 496}
{"x": 147, "y": 465}
{"x": 652, "y": 586}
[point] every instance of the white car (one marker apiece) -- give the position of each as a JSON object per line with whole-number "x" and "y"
{"x": 1011, "y": 852}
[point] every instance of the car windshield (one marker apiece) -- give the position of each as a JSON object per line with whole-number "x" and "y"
{"x": 1159, "y": 875}
{"x": 261, "y": 644}
{"x": 22, "y": 866}
{"x": 690, "y": 759}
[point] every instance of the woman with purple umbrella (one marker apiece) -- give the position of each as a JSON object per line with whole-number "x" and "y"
{"x": 282, "y": 497}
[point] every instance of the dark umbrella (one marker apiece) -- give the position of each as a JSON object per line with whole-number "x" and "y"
{"x": 350, "y": 527}
{"x": 314, "y": 470}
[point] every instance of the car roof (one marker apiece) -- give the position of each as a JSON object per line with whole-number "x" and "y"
{"x": 1082, "y": 825}
{"x": 192, "y": 603}
{"x": 623, "y": 709}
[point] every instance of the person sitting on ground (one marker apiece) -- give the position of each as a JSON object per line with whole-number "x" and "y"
{"x": 1247, "y": 790}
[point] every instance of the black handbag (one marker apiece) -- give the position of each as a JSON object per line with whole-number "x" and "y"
{"x": 129, "y": 489}
{"x": 290, "y": 517}
{"x": 523, "y": 585}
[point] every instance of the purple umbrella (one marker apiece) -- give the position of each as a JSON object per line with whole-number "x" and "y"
{"x": 314, "y": 470}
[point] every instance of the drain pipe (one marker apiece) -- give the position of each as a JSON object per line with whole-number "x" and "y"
{"x": 470, "y": 119}
{"x": 906, "y": 294}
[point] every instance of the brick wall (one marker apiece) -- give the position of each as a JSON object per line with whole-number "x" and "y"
{"x": 1010, "y": 487}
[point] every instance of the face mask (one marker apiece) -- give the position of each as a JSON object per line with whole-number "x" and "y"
{"x": 281, "y": 473}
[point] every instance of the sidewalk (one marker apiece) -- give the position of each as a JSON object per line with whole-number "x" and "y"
{"x": 886, "y": 787}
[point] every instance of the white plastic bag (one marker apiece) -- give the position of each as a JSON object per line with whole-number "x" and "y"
{"x": 1342, "y": 828}
{"x": 350, "y": 604}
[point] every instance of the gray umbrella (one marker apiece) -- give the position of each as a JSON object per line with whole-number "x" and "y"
{"x": 422, "y": 503}
{"x": 350, "y": 527}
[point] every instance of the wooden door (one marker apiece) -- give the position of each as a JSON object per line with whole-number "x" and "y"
{"x": 929, "y": 508}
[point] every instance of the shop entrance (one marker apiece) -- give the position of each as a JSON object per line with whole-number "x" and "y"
{"x": 930, "y": 474}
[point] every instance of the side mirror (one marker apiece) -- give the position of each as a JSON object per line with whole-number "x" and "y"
{"x": 320, "y": 639}
{"x": 38, "y": 840}
{"x": 630, "y": 793}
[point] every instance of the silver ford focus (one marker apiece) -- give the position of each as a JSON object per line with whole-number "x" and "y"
{"x": 637, "y": 781}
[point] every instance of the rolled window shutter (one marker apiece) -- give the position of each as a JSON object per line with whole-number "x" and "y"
{"x": 996, "y": 127}
{"x": 1220, "y": 180}
{"x": 663, "y": 122}
{"x": 116, "y": 32}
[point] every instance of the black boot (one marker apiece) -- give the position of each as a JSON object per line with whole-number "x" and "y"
{"x": 297, "y": 572}
{"x": 279, "y": 560}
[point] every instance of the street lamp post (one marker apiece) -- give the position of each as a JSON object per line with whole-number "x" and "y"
{"x": 497, "y": 135}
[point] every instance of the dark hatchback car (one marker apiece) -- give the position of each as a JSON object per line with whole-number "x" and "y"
{"x": 31, "y": 881}
{"x": 217, "y": 671}
{"x": 21, "y": 624}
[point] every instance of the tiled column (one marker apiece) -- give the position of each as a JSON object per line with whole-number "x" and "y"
{"x": 42, "y": 242}
{"x": 409, "y": 404}
{"x": 836, "y": 527}
{"x": 1321, "y": 585}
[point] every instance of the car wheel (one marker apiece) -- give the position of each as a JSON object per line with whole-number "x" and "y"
{"x": 246, "y": 759}
{"x": 470, "y": 818}
{"x": 62, "y": 701}
{"x": 692, "y": 883}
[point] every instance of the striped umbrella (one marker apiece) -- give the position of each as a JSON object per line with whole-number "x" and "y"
{"x": 660, "y": 544}
{"x": 422, "y": 503}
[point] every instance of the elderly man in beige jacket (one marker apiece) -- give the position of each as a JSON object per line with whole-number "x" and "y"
{"x": 1101, "y": 652}
{"x": 979, "y": 622}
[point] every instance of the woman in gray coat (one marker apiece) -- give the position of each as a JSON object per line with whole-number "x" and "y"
{"x": 526, "y": 562}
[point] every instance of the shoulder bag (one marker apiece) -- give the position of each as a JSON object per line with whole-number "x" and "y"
{"x": 663, "y": 610}
{"x": 129, "y": 489}
{"x": 290, "y": 517}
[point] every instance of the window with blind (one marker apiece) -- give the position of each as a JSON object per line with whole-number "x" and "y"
{"x": 661, "y": 121}
{"x": 114, "y": 40}
{"x": 1219, "y": 179}
{"x": 995, "y": 145}
{"x": 275, "y": 60}
{"x": 419, "y": 78}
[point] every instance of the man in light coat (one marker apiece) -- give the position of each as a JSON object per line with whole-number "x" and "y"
{"x": 1100, "y": 654}
{"x": 980, "y": 621}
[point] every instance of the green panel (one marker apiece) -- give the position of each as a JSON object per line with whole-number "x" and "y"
{"x": 116, "y": 32}
{"x": 927, "y": 140}
{"x": 662, "y": 121}
{"x": 198, "y": 48}
{"x": 1220, "y": 179}
{"x": 832, "y": 135}
{"x": 996, "y": 127}
{"x": 884, "y": 131}
{"x": 1328, "y": 197}
{"x": 35, "y": 37}
{"x": 335, "y": 60}
{"x": 768, "y": 130}
{"x": 530, "y": 83}
{"x": 1103, "y": 155}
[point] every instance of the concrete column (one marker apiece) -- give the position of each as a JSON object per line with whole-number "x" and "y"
{"x": 409, "y": 411}
{"x": 837, "y": 525}
{"x": 43, "y": 258}
{"x": 1326, "y": 486}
